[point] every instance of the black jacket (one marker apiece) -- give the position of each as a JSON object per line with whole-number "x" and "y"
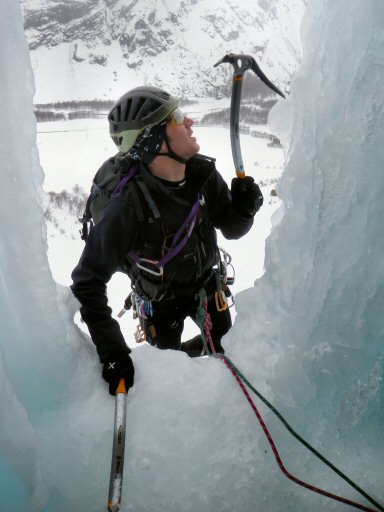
{"x": 119, "y": 232}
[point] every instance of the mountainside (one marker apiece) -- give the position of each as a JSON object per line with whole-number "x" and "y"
{"x": 87, "y": 49}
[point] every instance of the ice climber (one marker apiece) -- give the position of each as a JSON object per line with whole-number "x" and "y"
{"x": 160, "y": 228}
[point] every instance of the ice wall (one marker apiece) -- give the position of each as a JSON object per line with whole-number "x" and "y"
{"x": 318, "y": 325}
{"x": 31, "y": 327}
{"x": 37, "y": 360}
{"x": 25, "y": 272}
{"x": 308, "y": 334}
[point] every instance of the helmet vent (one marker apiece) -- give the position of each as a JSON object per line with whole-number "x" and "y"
{"x": 118, "y": 113}
{"x": 164, "y": 95}
{"x": 139, "y": 104}
{"x": 127, "y": 109}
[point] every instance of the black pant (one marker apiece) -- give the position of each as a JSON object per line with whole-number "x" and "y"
{"x": 165, "y": 327}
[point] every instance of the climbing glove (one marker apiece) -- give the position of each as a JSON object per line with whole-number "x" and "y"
{"x": 118, "y": 366}
{"x": 246, "y": 196}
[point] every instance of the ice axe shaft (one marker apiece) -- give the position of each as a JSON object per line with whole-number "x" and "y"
{"x": 117, "y": 464}
{"x": 241, "y": 64}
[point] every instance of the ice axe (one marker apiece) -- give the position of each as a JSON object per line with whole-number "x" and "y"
{"x": 241, "y": 63}
{"x": 117, "y": 463}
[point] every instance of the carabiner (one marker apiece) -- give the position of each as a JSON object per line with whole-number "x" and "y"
{"x": 221, "y": 301}
{"x": 160, "y": 270}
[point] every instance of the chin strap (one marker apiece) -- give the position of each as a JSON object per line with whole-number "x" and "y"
{"x": 170, "y": 153}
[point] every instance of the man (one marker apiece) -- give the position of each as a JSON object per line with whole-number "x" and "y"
{"x": 160, "y": 229}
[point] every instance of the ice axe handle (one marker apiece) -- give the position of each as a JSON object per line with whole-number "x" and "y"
{"x": 117, "y": 463}
{"x": 240, "y": 64}
{"x": 234, "y": 125}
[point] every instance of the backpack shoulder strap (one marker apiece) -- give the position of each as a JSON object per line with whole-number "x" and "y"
{"x": 140, "y": 194}
{"x": 137, "y": 202}
{"x": 148, "y": 198}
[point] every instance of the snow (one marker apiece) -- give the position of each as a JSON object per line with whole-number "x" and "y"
{"x": 181, "y": 41}
{"x": 308, "y": 334}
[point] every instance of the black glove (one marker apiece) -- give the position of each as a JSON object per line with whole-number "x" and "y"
{"x": 118, "y": 366}
{"x": 246, "y": 196}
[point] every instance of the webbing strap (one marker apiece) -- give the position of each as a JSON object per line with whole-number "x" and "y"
{"x": 188, "y": 225}
{"x": 133, "y": 170}
{"x": 176, "y": 245}
{"x": 148, "y": 197}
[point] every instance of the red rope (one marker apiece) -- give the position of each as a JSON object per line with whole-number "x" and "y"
{"x": 207, "y": 330}
{"x": 208, "y": 326}
{"x": 277, "y": 456}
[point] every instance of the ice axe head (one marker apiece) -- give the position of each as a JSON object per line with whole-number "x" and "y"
{"x": 241, "y": 63}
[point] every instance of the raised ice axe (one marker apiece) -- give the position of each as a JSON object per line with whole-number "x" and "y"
{"x": 241, "y": 63}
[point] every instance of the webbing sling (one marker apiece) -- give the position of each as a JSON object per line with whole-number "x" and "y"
{"x": 176, "y": 246}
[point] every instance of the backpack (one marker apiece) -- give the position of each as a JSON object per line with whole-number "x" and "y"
{"x": 105, "y": 184}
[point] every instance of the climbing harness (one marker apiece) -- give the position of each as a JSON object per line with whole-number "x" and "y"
{"x": 143, "y": 308}
{"x": 205, "y": 325}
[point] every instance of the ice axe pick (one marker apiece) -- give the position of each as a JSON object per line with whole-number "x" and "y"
{"x": 241, "y": 63}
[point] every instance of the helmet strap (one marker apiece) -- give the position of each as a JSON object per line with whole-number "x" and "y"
{"x": 170, "y": 153}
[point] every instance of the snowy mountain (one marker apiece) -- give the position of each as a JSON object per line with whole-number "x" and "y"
{"x": 86, "y": 49}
